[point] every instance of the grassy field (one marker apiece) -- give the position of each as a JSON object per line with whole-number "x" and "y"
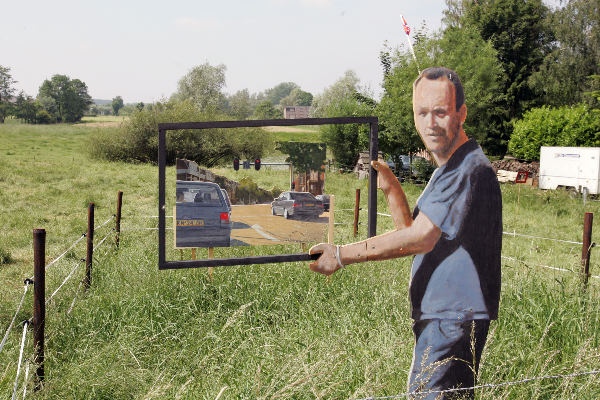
{"x": 263, "y": 331}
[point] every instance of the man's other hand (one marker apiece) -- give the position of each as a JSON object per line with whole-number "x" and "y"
{"x": 327, "y": 263}
{"x": 385, "y": 177}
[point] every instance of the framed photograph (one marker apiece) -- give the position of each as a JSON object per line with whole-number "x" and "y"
{"x": 209, "y": 212}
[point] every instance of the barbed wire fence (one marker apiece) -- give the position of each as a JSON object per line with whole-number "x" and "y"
{"x": 31, "y": 360}
{"x": 39, "y": 279}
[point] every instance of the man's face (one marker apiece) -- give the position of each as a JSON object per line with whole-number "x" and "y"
{"x": 436, "y": 118}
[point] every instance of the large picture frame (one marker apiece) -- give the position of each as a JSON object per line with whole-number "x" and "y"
{"x": 217, "y": 262}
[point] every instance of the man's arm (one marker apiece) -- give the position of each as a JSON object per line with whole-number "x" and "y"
{"x": 396, "y": 199}
{"x": 418, "y": 238}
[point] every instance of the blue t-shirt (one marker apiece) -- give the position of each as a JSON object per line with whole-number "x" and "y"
{"x": 460, "y": 278}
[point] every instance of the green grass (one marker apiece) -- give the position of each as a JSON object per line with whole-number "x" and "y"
{"x": 263, "y": 331}
{"x": 103, "y": 118}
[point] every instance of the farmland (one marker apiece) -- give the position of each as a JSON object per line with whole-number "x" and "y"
{"x": 264, "y": 331}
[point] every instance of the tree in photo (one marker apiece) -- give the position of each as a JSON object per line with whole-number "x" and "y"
{"x": 297, "y": 97}
{"x": 203, "y": 86}
{"x": 280, "y": 91}
{"x": 240, "y": 104}
{"x": 305, "y": 157}
{"x": 117, "y": 104}
{"x": 6, "y": 92}
{"x": 563, "y": 77}
{"x": 70, "y": 98}
{"x": 266, "y": 110}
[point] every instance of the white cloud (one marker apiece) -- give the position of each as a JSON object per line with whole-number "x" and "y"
{"x": 190, "y": 24}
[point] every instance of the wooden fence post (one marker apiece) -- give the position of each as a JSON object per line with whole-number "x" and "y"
{"x": 87, "y": 280}
{"x": 39, "y": 302}
{"x": 586, "y": 247}
{"x": 330, "y": 231}
{"x": 356, "y": 209}
{"x": 118, "y": 218}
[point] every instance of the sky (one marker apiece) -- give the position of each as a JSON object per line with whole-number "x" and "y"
{"x": 140, "y": 49}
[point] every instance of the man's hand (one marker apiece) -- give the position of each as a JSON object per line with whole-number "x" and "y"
{"x": 326, "y": 264}
{"x": 385, "y": 177}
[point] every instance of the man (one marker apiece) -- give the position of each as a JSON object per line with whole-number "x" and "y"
{"x": 455, "y": 234}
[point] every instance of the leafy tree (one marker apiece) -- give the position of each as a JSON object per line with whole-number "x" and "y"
{"x": 546, "y": 126}
{"x": 297, "y": 97}
{"x": 275, "y": 94}
{"x": 519, "y": 32}
{"x": 70, "y": 96}
{"x": 562, "y": 79}
{"x": 203, "y": 86}
{"x": 346, "y": 141}
{"x": 6, "y": 91}
{"x": 266, "y": 110}
{"x": 304, "y": 157}
{"x": 26, "y": 108}
{"x": 344, "y": 88}
{"x": 240, "y": 104}
{"x": 117, "y": 104}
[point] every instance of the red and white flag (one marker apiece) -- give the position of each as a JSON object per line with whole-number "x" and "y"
{"x": 405, "y": 25}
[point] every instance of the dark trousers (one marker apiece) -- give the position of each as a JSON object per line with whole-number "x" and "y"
{"x": 446, "y": 355}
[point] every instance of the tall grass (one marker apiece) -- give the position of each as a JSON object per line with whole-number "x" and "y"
{"x": 264, "y": 331}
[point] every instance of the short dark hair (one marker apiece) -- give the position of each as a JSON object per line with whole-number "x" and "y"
{"x": 434, "y": 73}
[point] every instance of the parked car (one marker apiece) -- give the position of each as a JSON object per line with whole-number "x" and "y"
{"x": 325, "y": 200}
{"x": 203, "y": 215}
{"x": 404, "y": 166}
{"x": 226, "y": 196}
{"x": 297, "y": 204}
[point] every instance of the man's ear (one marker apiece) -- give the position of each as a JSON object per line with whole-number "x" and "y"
{"x": 462, "y": 113}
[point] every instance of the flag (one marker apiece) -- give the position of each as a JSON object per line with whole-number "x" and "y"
{"x": 405, "y": 25}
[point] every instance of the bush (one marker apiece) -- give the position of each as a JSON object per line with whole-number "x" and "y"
{"x": 423, "y": 168}
{"x": 44, "y": 117}
{"x": 137, "y": 139}
{"x": 545, "y": 126}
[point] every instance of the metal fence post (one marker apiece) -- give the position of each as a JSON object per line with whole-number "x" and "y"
{"x": 118, "y": 217}
{"x": 39, "y": 302}
{"x": 87, "y": 280}
{"x": 356, "y": 209}
{"x": 586, "y": 247}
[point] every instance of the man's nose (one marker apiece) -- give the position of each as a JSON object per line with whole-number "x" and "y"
{"x": 430, "y": 120}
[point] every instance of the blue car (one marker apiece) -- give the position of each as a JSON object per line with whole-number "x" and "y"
{"x": 203, "y": 215}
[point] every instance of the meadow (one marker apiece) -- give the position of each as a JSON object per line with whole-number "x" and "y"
{"x": 264, "y": 331}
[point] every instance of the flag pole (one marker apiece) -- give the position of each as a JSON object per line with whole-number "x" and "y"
{"x": 412, "y": 51}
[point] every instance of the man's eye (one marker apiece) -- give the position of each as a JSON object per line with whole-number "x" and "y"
{"x": 440, "y": 113}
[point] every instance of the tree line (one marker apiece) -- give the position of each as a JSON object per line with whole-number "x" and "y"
{"x": 531, "y": 76}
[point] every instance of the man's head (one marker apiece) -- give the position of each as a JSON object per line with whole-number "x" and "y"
{"x": 439, "y": 111}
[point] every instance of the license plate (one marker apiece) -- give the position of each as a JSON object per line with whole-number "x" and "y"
{"x": 309, "y": 204}
{"x": 190, "y": 222}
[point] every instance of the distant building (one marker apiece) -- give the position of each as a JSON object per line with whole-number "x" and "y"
{"x": 295, "y": 112}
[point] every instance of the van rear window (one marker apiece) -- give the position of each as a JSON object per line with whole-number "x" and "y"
{"x": 200, "y": 195}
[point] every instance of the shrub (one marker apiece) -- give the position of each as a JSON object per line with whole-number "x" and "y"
{"x": 137, "y": 139}
{"x": 44, "y": 117}
{"x": 423, "y": 168}
{"x": 545, "y": 126}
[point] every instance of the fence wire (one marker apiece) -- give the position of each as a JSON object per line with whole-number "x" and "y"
{"x": 64, "y": 253}
{"x": 20, "y": 359}
{"x": 12, "y": 322}
{"x": 26, "y": 378}
{"x": 102, "y": 241}
{"x": 487, "y": 385}
{"x": 63, "y": 282}
{"x": 546, "y": 266}
{"x": 106, "y": 222}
